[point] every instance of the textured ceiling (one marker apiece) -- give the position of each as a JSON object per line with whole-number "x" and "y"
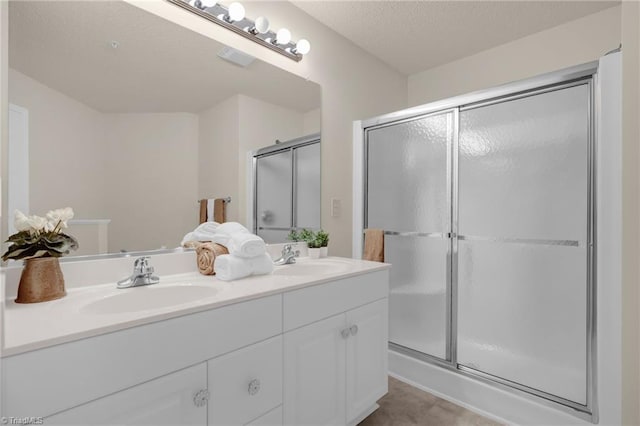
{"x": 158, "y": 66}
{"x": 413, "y": 36}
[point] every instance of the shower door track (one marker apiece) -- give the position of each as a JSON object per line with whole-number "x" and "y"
{"x": 575, "y": 76}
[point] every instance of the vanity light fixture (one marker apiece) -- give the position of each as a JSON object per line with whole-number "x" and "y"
{"x": 233, "y": 18}
{"x": 202, "y": 4}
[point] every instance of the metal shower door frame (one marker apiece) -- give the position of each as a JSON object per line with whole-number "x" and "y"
{"x": 452, "y": 142}
{"x": 288, "y": 146}
{"x": 578, "y": 75}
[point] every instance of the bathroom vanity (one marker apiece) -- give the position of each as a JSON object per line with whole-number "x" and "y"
{"x": 305, "y": 345}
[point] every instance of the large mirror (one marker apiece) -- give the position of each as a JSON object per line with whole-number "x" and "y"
{"x": 131, "y": 120}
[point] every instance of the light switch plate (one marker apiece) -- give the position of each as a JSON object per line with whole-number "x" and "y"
{"x": 336, "y": 207}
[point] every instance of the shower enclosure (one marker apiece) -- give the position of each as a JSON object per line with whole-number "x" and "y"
{"x": 487, "y": 205}
{"x": 286, "y": 188}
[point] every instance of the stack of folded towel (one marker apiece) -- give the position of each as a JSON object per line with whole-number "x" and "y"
{"x": 247, "y": 253}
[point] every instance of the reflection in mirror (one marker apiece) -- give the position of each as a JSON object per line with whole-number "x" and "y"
{"x": 287, "y": 185}
{"x": 131, "y": 120}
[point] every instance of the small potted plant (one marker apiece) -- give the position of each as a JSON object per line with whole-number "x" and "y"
{"x": 309, "y": 237}
{"x": 40, "y": 242}
{"x": 314, "y": 246}
{"x": 299, "y": 243}
{"x": 306, "y": 235}
{"x": 293, "y": 236}
{"x": 323, "y": 237}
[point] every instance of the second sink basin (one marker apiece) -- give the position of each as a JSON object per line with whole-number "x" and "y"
{"x": 148, "y": 298}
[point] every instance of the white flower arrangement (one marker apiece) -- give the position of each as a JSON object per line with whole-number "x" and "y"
{"x": 41, "y": 236}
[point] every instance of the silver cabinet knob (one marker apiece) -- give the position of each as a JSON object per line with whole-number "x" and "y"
{"x": 254, "y": 387}
{"x": 353, "y": 329}
{"x": 201, "y": 397}
{"x": 345, "y": 333}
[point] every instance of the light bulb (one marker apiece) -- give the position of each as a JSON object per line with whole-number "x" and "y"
{"x": 236, "y": 11}
{"x": 302, "y": 47}
{"x": 283, "y": 36}
{"x": 261, "y": 25}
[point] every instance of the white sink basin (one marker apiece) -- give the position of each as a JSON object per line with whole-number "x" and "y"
{"x": 148, "y": 298}
{"x": 317, "y": 267}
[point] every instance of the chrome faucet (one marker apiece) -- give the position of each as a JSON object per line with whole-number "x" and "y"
{"x": 142, "y": 275}
{"x": 288, "y": 256}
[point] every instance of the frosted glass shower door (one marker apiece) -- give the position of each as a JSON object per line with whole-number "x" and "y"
{"x": 307, "y": 186}
{"x": 523, "y": 241}
{"x": 408, "y": 196}
{"x": 274, "y": 196}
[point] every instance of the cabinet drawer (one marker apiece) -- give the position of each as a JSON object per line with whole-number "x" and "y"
{"x": 314, "y": 303}
{"x": 168, "y": 400}
{"x": 245, "y": 384}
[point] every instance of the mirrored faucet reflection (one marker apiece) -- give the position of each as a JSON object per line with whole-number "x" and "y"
{"x": 288, "y": 256}
{"x": 142, "y": 274}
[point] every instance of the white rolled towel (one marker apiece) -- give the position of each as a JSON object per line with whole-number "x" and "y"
{"x": 224, "y": 232}
{"x": 206, "y": 231}
{"x": 203, "y": 232}
{"x": 244, "y": 244}
{"x": 229, "y": 267}
{"x": 187, "y": 238}
{"x": 262, "y": 265}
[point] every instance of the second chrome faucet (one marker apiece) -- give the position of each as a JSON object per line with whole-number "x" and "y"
{"x": 142, "y": 274}
{"x": 288, "y": 256}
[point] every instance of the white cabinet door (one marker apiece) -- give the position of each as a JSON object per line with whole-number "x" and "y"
{"x": 314, "y": 373}
{"x": 366, "y": 357}
{"x": 168, "y": 400}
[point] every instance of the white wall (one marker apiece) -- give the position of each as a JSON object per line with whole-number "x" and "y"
{"x": 261, "y": 123}
{"x": 355, "y": 85}
{"x": 312, "y": 121}
{"x": 152, "y": 179}
{"x": 631, "y": 211}
{"x": 573, "y": 43}
{"x": 228, "y": 132}
{"x": 66, "y": 149}
{"x": 218, "y": 153}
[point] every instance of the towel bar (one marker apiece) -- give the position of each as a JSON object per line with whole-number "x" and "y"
{"x": 227, "y": 200}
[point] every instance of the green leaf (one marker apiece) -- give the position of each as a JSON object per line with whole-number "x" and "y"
{"x": 293, "y": 235}
{"x": 50, "y": 244}
{"x": 306, "y": 235}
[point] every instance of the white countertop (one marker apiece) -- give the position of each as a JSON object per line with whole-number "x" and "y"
{"x": 29, "y": 327}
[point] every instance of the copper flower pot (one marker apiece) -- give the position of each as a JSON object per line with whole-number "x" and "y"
{"x": 41, "y": 280}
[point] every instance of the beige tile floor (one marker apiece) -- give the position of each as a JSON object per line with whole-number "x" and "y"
{"x": 405, "y": 405}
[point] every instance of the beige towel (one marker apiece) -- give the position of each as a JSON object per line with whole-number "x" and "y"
{"x": 219, "y": 210}
{"x": 374, "y": 245}
{"x": 203, "y": 211}
{"x": 206, "y": 256}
